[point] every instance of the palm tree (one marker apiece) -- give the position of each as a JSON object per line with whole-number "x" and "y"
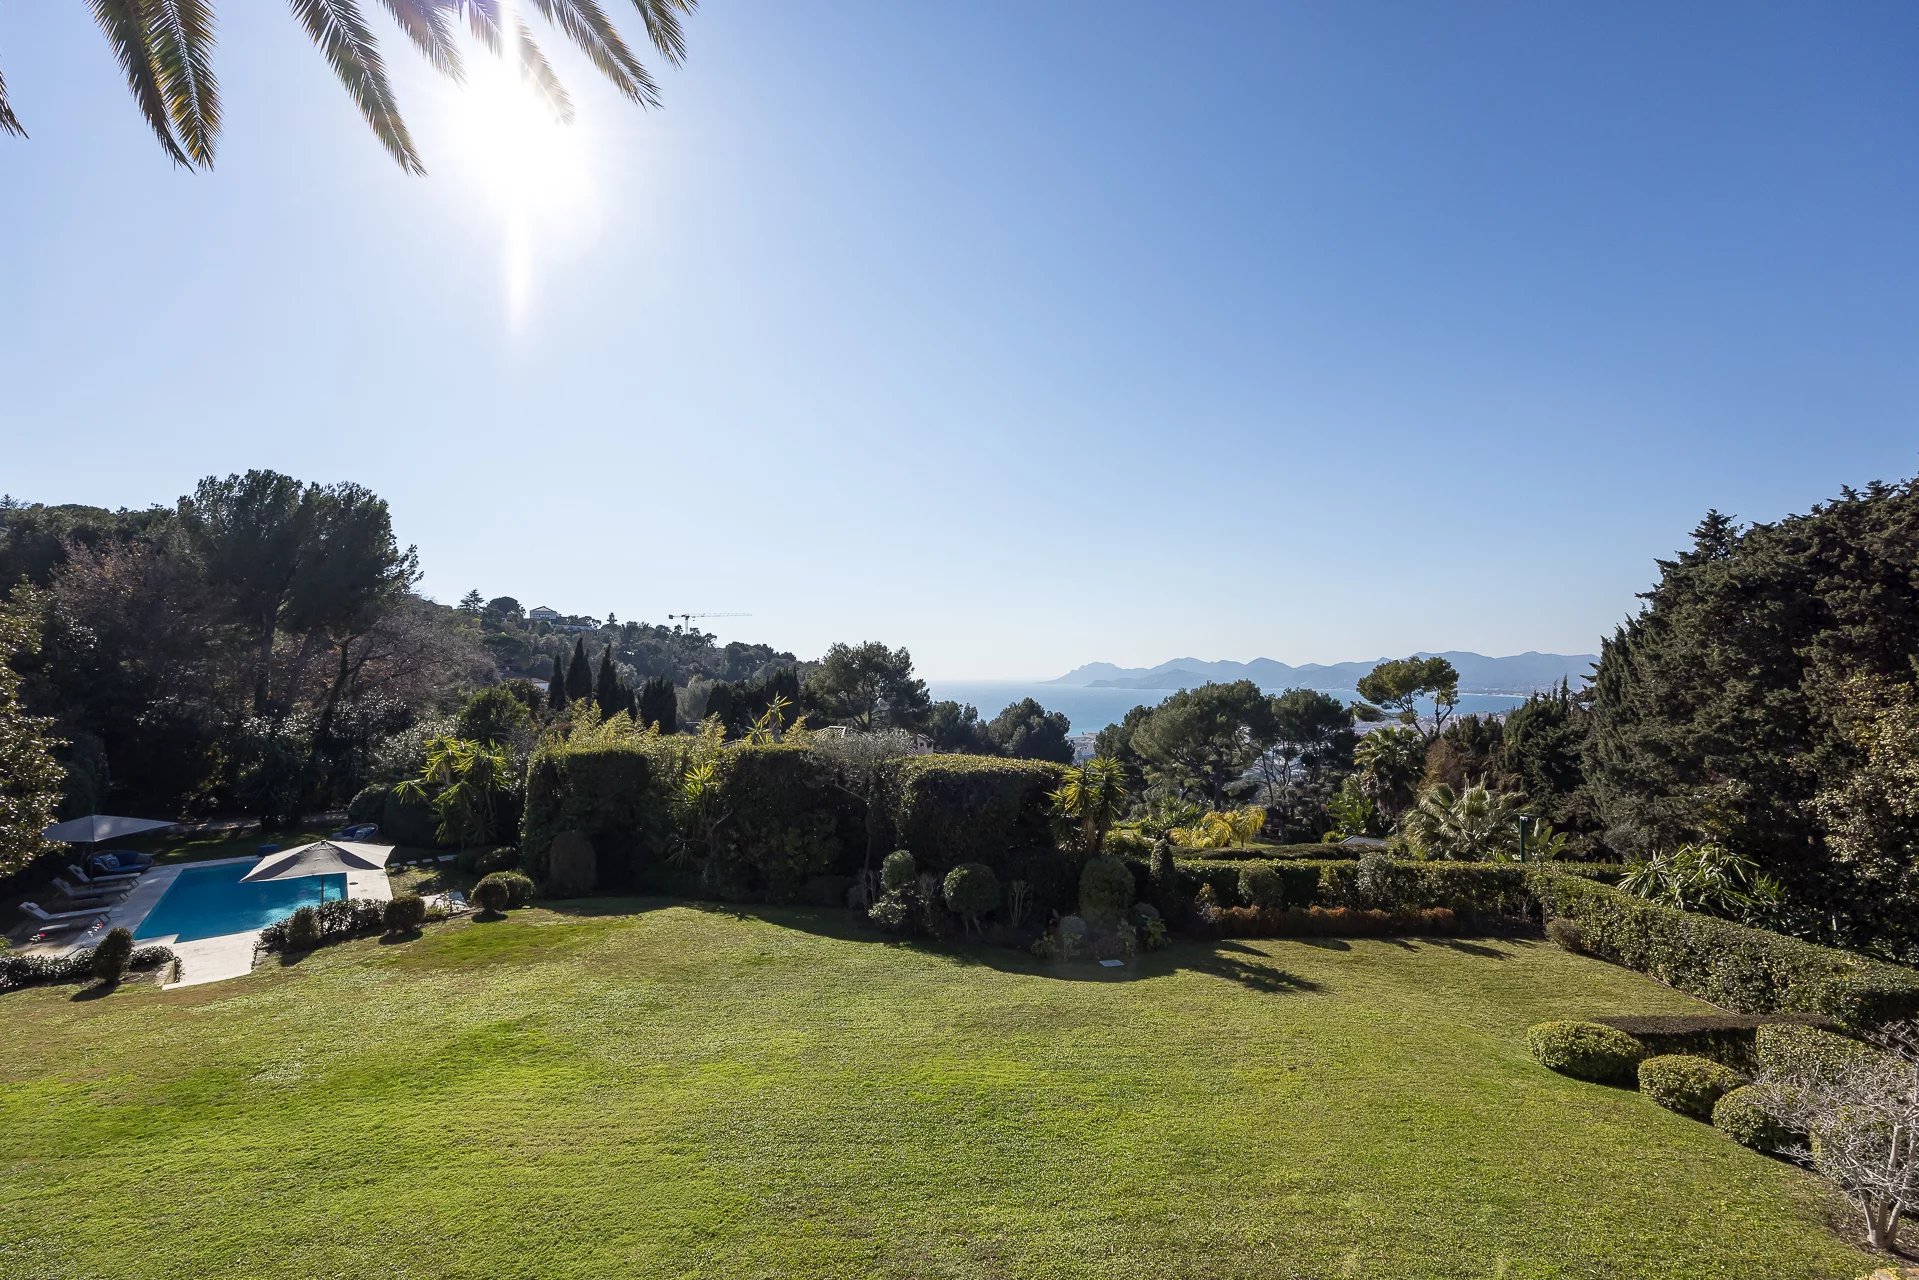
{"x": 1474, "y": 823}
{"x": 1390, "y": 761}
{"x": 165, "y": 49}
{"x": 1093, "y": 796}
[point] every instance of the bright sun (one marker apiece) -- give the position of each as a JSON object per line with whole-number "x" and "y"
{"x": 530, "y": 169}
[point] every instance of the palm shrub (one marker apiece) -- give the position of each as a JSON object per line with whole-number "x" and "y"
{"x": 1105, "y": 890}
{"x": 111, "y": 957}
{"x": 971, "y": 890}
{"x": 1475, "y": 823}
{"x": 1090, "y": 799}
{"x": 1586, "y": 1050}
{"x": 1688, "y": 1084}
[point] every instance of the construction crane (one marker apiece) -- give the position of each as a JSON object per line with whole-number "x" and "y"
{"x": 688, "y": 617}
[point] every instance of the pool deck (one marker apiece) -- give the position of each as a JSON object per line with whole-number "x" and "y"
{"x": 228, "y": 955}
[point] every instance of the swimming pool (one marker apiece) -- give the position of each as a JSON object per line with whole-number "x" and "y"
{"x": 205, "y": 902}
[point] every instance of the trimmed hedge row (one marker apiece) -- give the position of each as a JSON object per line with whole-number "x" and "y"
{"x": 610, "y": 793}
{"x": 788, "y": 820}
{"x": 1731, "y": 1038}
{"x": 1749, "y": 970}
{"x": 1332, "y": 922}
{"x": 17, "y": 971}
{"x": 1476, "y": 890}
{"x": 949, "y": 809}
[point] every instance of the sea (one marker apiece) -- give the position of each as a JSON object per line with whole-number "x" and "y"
{"x": 1091, "y": 710}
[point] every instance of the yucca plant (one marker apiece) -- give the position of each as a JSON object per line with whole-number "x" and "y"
{"x": 165, "y": 50}
{"x": 1092, "y": 797}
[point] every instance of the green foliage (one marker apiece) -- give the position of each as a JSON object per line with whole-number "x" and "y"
{"x": 1397, "y": 686}
{"x": 1171, "y": 894}
{"x": 112, "y": 955}
{"x": 495, "y": 716}
{"x": 517, "y": 888}
{"x": 301, "y": 930}
{"x": 1703, "y": 877}
{"x": 1757, "y": 701}
{"x": 1540, "y": 755}
{"x": 1797, "y": 1051}
{"x": 1733, "y": 966}
{"x": 1566, "y": 934}
{"x": 1690, "y": 1085}
{"x": 1585, "y": 1050}
{"x": 1476, "y": 823}
{"x": 1383, "y": 884}
{"x": 1105, "y": 890}
{"x": 572, "y": 867}
{"x": 615, "y": 793}
{"x": 1199, "y": 740}
{"x": 868, "y": 686}
{"x": 899, "y": 871}
{"x": 1352, "y": 811}
{"x": 952, "y": 727}
{"x": 971, "y": 890}
{"x": 954, "y": 809}
{"x": 1741, "y": 1115}
{"x": 1090, "y": 799}
{"x": 1027, "y": 731}
{"x": 1331, "y": 922}
{"x": 368, "y": 804}
{"x": 1262, "y": 886}
{"x": 470, "y": 786}
{"x": 29, "y": 777}
{"x": 659, "y": 705}
{"x": 1388, "y": 763}
{"x": 788, "y": 819}
{"x": 404, "y": 913}
{"x": 409, "y": 822}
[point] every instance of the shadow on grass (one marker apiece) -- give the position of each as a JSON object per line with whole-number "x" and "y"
{"x": 97, "y": 991}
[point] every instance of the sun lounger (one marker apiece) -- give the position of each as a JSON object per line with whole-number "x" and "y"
{"x": 41, "y": 931}
{"x": 41, "y": 914}
{"x": 124, "y": 878}
{"x": 118, "y": 862}
{"x": 92, "y": 897}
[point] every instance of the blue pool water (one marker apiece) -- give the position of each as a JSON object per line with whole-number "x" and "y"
{"x": 205, "y": 902}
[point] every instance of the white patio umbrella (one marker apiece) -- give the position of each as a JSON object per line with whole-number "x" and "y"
{"x": 321, "y": 858}
{"x": 97, "y": 828}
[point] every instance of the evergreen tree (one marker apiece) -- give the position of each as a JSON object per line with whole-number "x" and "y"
{"x": 723, "y": 700}
{"x": 556, "y": 687}
{"x": 607, "y": 690}
{"x": 579, "y": 673}
{"x": 660, "y": 704}
{"x": 29, "y": 777}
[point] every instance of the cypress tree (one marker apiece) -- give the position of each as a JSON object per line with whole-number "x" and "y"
{"x": 606, "y": 686}
{"x": 579, "y": 673}
{"x": 556, "y": 687}
{"x": 660, "y": 704}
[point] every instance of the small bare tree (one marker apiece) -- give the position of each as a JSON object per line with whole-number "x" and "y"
{"x": 1860, "y": 1113}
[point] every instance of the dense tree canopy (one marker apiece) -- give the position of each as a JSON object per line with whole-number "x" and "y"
{"x": 1758, "y": 699}
{"x": 1027, "y": 730}
{"x": 1398, "y": 685}
{"x": 868, "y": 686}
{"x": 29, "y": 776}
{"x": 1200, "y": 740}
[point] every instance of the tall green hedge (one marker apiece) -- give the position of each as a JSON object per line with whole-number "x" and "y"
{"x": 950, "y": 809}
{"x": 1483, "y": 890}
{"x": 787, "y": 819}
{"x": 1735, "y": 967}
{"x": 612, "y": 794}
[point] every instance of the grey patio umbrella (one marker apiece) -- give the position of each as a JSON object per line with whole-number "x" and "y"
{"x": 321, "y": 858}
{"x": 97, "y": 828}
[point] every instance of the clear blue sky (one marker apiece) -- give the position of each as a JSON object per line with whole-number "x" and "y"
{"x": 1020, "y": 334}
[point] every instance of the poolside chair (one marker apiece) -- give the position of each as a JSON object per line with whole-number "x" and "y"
{"x": 101, "y": 897}
{"x": 104, "y": 881}
{"x": 45, "y": 916}
{"x": 116, "y": 862}
{"x": 41, "y": 931}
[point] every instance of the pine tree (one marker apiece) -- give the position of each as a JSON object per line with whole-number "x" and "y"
{"x": 556, "y": 687}
{"x": 607, "y": 690}
{"x": 579, "y": 673}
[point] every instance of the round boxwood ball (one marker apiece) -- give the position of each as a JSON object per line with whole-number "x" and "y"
{"x": 1586, "y": 1050}
{"x": 404, "y": 913}
{"x": 1686, "y": 1083}
{"x": 1105, "y": 889}
{"x": 1741, "y": 1115}
{"x": 111, "y": 957}
{"x": 971, "y": 889}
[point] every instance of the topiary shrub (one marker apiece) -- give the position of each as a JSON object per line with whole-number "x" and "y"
{"x": 111, "y": 957}
{"x": 1262, "y": 886}
{"x": 1105, "y": 890}
{"x": 971, "y": 890}
{"x": 1381, "y": 884}
{"x": 572, "y": 867}
{"x": 1566, "y": 935}
{"x": 502, "y": 890}
{"x": 1586, "y": 1050}
{"x": 367, "y": 805}
{"x": 1170, "y": 892}
{"x": 404, "y": 913}
{"x": 1741, "y": 1115}
{"x": 302, "y": 930}
{"x": 1686, "y": 1083}
{"x": 1075, "y": 938}
{"x": 899, "y": 871}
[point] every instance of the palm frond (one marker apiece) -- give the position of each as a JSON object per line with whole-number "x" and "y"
{"x": 586, "y": 25}
{"x": 9, "y": 122}
{"x": 662, "y": 19}
{"x": 342, "y": 34}
{"x": 539, "y": 73}
{"x": 483, "y": 19}
{"x": 180, "y": 44}
{"x": 427, "y": 24}
{"x": 121, "y": 21}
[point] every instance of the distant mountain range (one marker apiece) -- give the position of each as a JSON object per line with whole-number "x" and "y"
{"x": 1519, "y": 673}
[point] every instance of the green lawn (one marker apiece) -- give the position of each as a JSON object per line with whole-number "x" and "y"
{"x": 678, "y": 1092}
